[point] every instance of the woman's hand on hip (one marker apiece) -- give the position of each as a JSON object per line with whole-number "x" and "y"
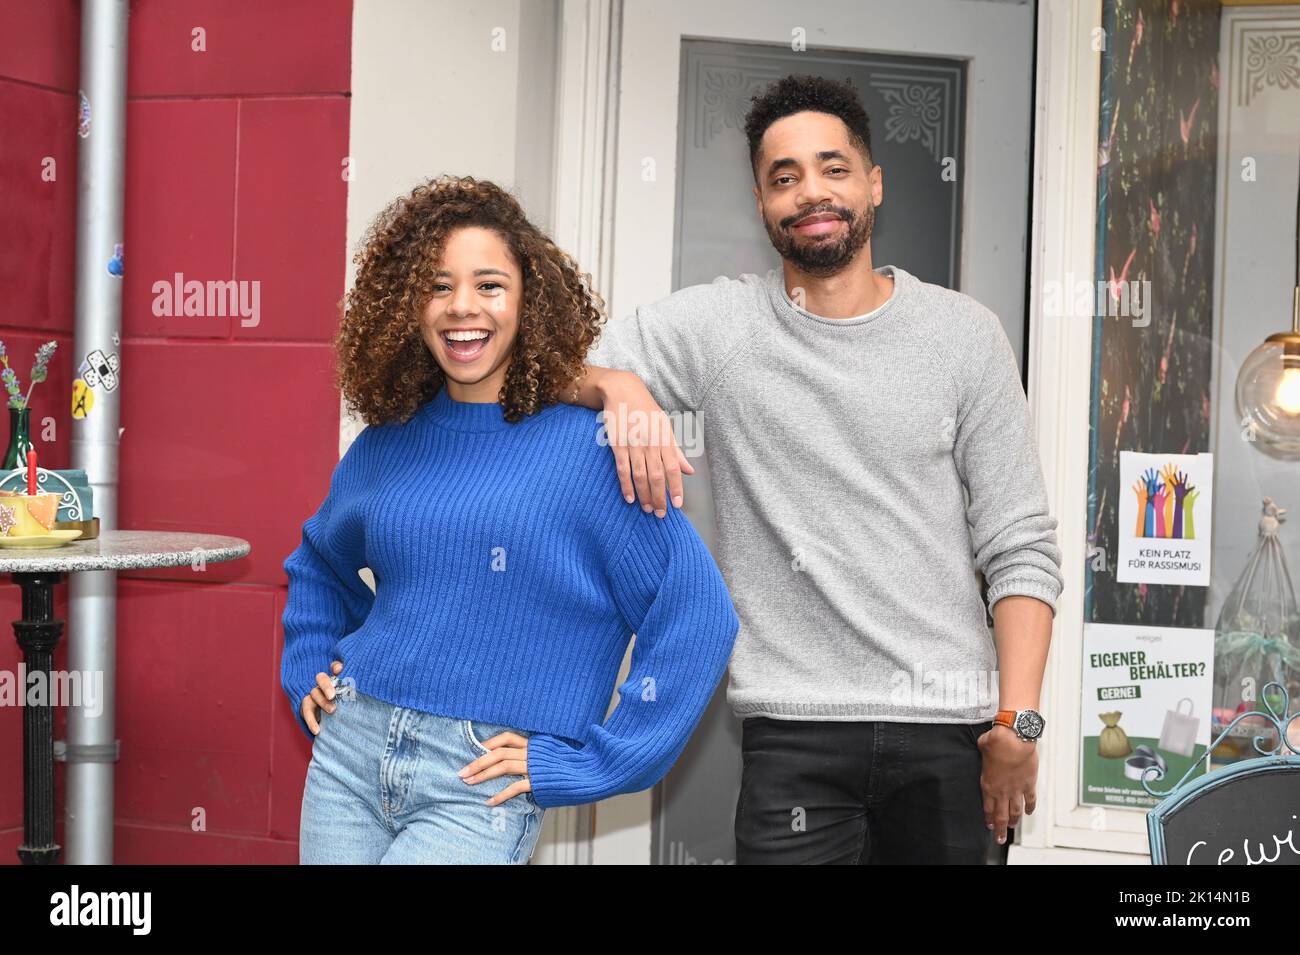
{"x": 508, "y": 757}
{"x": 320, "y": 698}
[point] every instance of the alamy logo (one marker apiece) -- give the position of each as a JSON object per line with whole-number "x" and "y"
{"x": 102, "y": 908}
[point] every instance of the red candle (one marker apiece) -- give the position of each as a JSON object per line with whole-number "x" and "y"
{"x": 31, "y": 472}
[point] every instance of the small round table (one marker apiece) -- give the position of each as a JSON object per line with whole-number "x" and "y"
{"x": 36, "y": 571}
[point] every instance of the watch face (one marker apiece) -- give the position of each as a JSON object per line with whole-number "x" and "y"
{"x": 1029, "y": 724}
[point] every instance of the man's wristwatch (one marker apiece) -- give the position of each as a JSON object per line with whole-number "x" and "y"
{"x": 1027, "y": 724}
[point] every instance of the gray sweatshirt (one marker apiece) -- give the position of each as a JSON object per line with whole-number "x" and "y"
{"x": 862, "y": 470}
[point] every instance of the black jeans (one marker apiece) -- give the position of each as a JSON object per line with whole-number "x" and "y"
{"x": 833, "y": 792}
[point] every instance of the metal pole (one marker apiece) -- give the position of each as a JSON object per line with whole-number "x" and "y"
{"x": 91, "y": 748}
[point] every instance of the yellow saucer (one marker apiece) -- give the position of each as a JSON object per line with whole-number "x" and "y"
{"x": 52, "y": 539}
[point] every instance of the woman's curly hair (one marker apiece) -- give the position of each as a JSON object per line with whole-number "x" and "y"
{"x": 385, "y": 369}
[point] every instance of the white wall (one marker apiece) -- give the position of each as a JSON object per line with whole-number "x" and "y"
{"x": 444, "y": 87}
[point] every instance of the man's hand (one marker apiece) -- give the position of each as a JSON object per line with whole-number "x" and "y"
{"x": 1009, "y": 778}
{"x": 645, "y": 449}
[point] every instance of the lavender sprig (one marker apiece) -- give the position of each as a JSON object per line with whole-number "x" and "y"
{"x": 11, "y": 385}
{"x": 40, "y": 369}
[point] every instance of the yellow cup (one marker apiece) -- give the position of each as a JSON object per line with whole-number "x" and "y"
{"x": 25, "y": 523}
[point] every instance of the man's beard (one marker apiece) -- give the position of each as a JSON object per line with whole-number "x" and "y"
{"x": 823, "y": 257}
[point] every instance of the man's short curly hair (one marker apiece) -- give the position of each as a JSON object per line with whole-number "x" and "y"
{"x": 385, "y": 369}
{"x": 799, "y": 93}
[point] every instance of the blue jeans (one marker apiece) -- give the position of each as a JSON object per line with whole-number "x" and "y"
{"x": 382, "y": 788}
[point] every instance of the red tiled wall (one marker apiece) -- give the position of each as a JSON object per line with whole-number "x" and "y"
{"x": 232, "y": 172}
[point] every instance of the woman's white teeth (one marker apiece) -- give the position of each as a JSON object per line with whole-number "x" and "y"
{"x": 467, "y": 343}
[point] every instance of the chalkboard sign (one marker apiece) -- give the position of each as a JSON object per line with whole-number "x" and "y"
{"x": 1245, "y": 814}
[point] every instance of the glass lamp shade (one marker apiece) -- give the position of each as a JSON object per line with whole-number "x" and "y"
{"x": 1268, "y": 394}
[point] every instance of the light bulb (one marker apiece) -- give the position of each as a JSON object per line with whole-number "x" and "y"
{"x": 1268, "y": 396}
{"x": 1287, "y": 395}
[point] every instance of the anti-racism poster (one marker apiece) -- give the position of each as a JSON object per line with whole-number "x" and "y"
{"x": 1164, "y": 518}
{"x": 1146, "y": 702}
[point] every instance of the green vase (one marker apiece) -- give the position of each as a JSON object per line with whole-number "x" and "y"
{"x": 20, "y": 441}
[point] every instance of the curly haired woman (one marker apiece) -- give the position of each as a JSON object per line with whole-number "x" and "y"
{"x": 471, "y": 686}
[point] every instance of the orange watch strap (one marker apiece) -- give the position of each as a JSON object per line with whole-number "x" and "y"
{"x": 1006, "y": 717}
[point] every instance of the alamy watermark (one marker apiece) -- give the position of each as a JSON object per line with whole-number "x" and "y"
{"x": 211, "y": 299}
{"x": 650, "y": 429}
{"x": 82, "y": 689}
{"x": 943, "y": 689}
{"x": 1082, "y": 298}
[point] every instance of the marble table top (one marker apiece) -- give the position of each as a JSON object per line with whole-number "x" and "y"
{"x": 124, "y": 550}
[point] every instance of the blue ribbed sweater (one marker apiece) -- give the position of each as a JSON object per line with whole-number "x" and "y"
{"x": 510, "y": 575}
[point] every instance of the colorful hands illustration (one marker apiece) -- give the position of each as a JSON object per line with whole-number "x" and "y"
{"x": 1165, "y": 503}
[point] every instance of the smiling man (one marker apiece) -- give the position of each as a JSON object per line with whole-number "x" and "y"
{"x": 871, "y": 453}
